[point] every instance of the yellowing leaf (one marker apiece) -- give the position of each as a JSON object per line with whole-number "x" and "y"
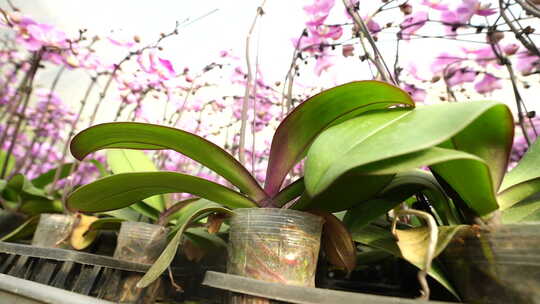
{"x": 81, "y": 237}
{"x": 413, "y": 243}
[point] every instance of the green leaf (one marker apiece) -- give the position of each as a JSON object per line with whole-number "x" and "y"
{"x": 23, "y": 187}
{"x": 101, "y": 168}
{"x": 48, "y": 177}
{"x": 106, "y": 223}
{"x": 290, "y": 192}
{"x": 524, "y": 180}
{"x": 38, "y": 205}
{"x": 131, "y": 135}
{"x": 124, "y": 161}
{"x": 190, "y": 212}
{"x": 11, "y": 162}
{"x": 127, "y": 214}
{"x": 297, "y": 131}
{"x": 382, "y": 239}
{"x": 527, "y": 210}
{"x": 24, "y": 231}
{"x": 121, "y": 190}
{"x": 373, "y": 139}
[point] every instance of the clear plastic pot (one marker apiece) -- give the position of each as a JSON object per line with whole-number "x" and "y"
{"x": 274, "y": 245}
{"x": 53, "y": 231}
{"x": 501, "y": 266}
{"x": 139, "y": 243}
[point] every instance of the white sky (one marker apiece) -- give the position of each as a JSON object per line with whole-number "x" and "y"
{"x": 199, "y": 43}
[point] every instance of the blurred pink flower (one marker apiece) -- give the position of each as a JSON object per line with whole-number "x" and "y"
{"x": 413, "y": 23}
{"x": 34, "y": 36}
{"x": 435, "y": 4}
{"x": 527, "y": 62}
{"x": 510, "y": 49}
{"x": 416, "y": 93}
{"x": 488, "y": 84}
{"x": 323, "y": 63}
{"x": 347, "y": 50}
{"x": 442, "y": 61}
{"x": 457, "y": 76}
{"x": 319, "y": 7}
{"x": 483, "y": 56}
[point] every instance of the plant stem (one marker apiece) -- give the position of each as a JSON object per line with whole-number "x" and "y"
{"x": 26, "y": 98}
{"x": 242, "y": 148}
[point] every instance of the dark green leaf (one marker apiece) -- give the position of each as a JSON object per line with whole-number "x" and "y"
{"x": 289, "y": 193}
{"x": 131, "y": 135}
{"x": 297, "y": 131}
{"x": 121, "y": 190}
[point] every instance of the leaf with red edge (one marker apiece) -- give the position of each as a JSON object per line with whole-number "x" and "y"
{"x": 298, "y": 130}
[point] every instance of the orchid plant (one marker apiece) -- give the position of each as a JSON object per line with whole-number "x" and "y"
{"x": 466, "y": 146}
{"x": 290, "y": 143}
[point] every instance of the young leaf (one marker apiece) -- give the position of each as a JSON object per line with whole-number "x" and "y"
{"x": 337, "y": 242}
{"x": 121, "y": 190}
{"x": 124, "y": 161}
{"x": 287, "y": 194}
{"x": 106, "y": 223}
{"x": 132, "y": 135}
{"x": 527, "y": 210}
{"x": 303, "y": 124}
{"x": 191, "y": 212}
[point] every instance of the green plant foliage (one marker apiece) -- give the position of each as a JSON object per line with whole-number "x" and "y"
{"x": 124, "y": 161}
{"x": 23, "y": 231}
{"x": 131, "y": 135}
{"x": 381, "y": 238}
{"x": 48, "y": 177}
{"x": 11, "y": 162}
{"x": 189, "y": 213}
{"x": 298, "y": 130}
{"x": 121, "y": 190}
{"x": 523, "y": 180}
{"x": 392, "y": 141}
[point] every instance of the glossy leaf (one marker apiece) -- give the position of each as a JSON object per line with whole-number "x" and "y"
{"x": 121, "y": 190}
{"x": 380, "y": 138}
{"x": 297, "y": 131}
{"x": 381, "y": 238}
{"x": 24, "y": 231}
{"x": 337, "y": 242}
{"x": 124, "y": 161}
{"x": 191, "y": 212}
{"x": 81, "y": 235}
{"x": 522, "y": 181}
{"x": 48, "y": 177}
{"x": 131, "y": 135}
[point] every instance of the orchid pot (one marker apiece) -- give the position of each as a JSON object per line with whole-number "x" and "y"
{"x": 496, "y": 266}
{"x": 54, "y": 231}
{"x": 274, "y": 245}
{"x": 139, "y": 243}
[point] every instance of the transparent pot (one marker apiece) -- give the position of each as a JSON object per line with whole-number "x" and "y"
{"x": 273, "y": 245}
{"x": 139, "y": 243}
{"x": 53, "y": 231}
{"x": 500, "y": 266}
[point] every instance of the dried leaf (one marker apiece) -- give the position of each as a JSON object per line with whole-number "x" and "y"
{"x": 81, "y": 237}
{"x": 337, "y": 242}
{"x": 214, "y": 222}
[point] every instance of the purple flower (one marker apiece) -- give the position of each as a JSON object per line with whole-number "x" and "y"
{"x": 488, "y": 84}
{"x": 435, "y": 4}
{"x": 320, "y": 7}
{"x": 457, "y": 76}
{"x": 412, "y": 24}
{"x": 416, "y": 93}
{"x": 527, "y": 62}
{"x": 323, "y": 63}
{"x": 442, "y": 61}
